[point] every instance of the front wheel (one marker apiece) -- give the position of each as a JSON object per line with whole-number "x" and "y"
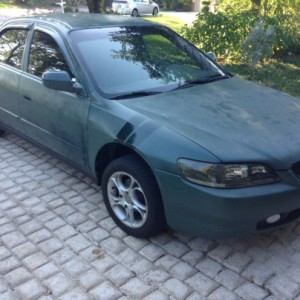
{"x": 155, "y": 11}
{"x": 134, "y": 13}
{"x": 132, "y": 197}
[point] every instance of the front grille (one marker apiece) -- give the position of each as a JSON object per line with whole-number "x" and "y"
{"x": 296, "y": 169}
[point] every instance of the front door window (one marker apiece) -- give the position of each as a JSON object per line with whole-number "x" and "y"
{"x": 45, "y": 55}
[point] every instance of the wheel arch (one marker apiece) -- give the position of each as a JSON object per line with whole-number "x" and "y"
{"x": 112, "y": 151}
{"x": 137, "y": 12}
{"x": 133, "y": 168}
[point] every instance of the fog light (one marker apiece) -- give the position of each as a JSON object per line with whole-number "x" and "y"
{"x": 273, "y": 219}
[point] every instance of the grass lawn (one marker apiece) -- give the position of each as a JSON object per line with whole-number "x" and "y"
{"x": 7, "y": 6}
{"x": 282, "y": 73}
{"x": 170, "y": 21}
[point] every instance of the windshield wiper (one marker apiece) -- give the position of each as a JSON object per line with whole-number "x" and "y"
{"x": 191, "y": 83}
{"x": 135, "y": 95}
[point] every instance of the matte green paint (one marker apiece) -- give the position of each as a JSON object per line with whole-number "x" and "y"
{"x": 220, "y": 213}
{"x": 9, "y": 81}
{"x": 224, "y": 121}
{"x": 231, "y": 118}
{"x": 57, "y": 119}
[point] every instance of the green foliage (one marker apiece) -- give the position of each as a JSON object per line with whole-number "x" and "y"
{"x": 178, "y": 5}
{"x": 34, "y": 3}
{"x": 221, "y": 33}
{"x": 205, "y": 8}
{"x": 183, "y": 5}
{"x": 264, "y": 7}
{"x": 68, "y": 9}
{"x": 287, "y": 33}
{"x": 7, "y": 6}
{"x": 225, "y": 32}
{"x": 259, "y": 43}
{"x": 282, "y": 74}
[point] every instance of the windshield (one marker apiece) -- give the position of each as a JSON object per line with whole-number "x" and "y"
{"x": 122, "y": 60}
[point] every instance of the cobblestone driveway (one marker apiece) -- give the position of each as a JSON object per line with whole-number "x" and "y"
{"x": 57, "y": 242}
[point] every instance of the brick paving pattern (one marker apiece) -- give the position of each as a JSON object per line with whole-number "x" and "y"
{"x": 58, "y": 242}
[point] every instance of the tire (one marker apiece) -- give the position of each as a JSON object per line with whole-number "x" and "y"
{"x": 132, "y": 197}
{"x": 155, "y": 11}
{"x": 135, "y": 13}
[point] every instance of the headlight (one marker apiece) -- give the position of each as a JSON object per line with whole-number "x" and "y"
{"x": 226, "y": 175}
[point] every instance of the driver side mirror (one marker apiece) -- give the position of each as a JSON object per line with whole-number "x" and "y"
{"x": 61, "y": 81}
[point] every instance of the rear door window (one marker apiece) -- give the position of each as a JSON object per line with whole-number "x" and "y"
{"x": 12, "y": 43}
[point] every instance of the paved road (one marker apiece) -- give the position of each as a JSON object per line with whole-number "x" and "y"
{"x": 58, "y": 242}
{"x": 187, "y": 17}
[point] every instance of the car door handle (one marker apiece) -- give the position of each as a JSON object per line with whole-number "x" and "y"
{"x": 27, "y": 98}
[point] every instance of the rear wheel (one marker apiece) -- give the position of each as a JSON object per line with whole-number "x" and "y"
{"x": 132, "y": 197}
{"x": 134, "y": 13}
{"x": 155, "y": 11}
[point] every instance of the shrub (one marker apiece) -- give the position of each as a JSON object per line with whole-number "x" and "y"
{"x": 221, "y": 33}
{"x": 68, "y": 9}
{"x": 205, "y": 8}
{"x": 259, "y": 43}
{"x": 35, "y": 3}
{"x": 224, "y": 33}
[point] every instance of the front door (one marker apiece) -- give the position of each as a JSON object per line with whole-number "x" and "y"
{"x": 55, "y": 119}
{"x": 146, "y": 7}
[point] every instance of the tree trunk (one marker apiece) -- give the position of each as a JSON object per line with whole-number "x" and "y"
{"x": 94, "y": 6}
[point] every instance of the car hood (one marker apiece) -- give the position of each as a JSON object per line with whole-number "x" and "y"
{"x": 234, "y": 119}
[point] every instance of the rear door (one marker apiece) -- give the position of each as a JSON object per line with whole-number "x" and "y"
{"x": 12, "y": 44}
{"x": 146, "y": 7}
{"x": 55, "y": 119}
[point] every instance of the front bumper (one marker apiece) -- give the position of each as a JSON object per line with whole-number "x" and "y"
{"x": 225, "y": 213}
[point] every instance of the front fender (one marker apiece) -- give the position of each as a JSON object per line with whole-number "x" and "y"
{"x": 160, "y": 147}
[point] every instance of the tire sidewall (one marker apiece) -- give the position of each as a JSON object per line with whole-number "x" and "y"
{"x": 134, "y": 13}
{"x": 152, "y": 194}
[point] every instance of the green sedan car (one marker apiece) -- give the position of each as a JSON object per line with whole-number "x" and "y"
{"x": 172, "y": 138}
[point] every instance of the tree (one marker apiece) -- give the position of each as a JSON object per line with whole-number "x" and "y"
{"x": 95, "y": 6}
{"x": 264, "y": 7}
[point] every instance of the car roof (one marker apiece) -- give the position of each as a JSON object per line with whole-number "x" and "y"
{"x": 71, "y": 21}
